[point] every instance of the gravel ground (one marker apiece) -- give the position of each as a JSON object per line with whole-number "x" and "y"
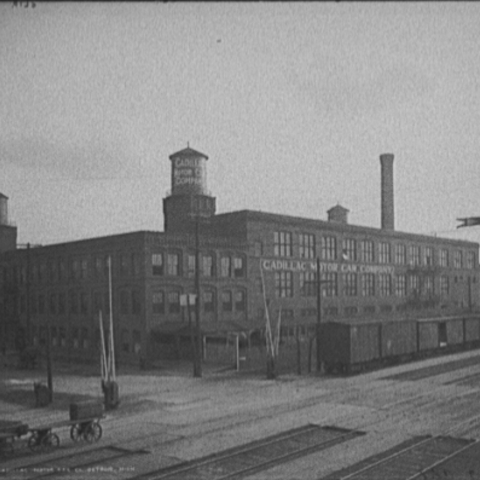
{"x": 176, "y": 417}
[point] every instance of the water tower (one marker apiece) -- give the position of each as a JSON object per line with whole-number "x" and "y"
{"x": 189, "y": 200}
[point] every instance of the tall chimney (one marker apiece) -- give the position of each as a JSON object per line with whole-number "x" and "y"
{"x": 388, "y": 215}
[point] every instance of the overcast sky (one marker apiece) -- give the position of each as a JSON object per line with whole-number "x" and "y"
{"x": 293, "y": 103}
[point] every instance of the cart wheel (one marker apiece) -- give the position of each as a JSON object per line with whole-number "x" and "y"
{"x": 93, "y": 432}
{"x": 76, "y": 432}
{"x": 50, "y": 441}
{"x": 34, "y": 443}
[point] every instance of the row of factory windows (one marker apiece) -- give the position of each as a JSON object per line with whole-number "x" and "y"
{"x": 170, "y": 263}
{"x": 81, "y": 338}
{"x": 124, "y": 265}
{"x": 310, "y": 314}
{"x": 79, "y": 302}
{"x": 170, "y": 302}
{"x": 368, "y": 251}
{"x": 364, "y": 284}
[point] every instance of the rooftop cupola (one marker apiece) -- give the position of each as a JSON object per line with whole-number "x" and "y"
{"x": 338, "y": 214}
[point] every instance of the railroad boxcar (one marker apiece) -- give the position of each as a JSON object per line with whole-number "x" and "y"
{"x": 347, "y": 348}
{"x": 472, "y": 331}
{"x": 398, "y": 340}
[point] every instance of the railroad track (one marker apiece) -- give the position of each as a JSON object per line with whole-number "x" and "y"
{"x": 428, "y": 457}
{"x": 260, "y": 455}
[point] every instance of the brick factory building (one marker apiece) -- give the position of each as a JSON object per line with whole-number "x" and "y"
{"x": 246, "y": 259}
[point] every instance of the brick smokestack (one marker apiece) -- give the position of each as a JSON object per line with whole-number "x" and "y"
{"x": 388, "y": 215}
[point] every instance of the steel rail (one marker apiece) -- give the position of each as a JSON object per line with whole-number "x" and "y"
{"x": 412, "y": 447}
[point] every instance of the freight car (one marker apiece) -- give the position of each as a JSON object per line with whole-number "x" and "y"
{"x": 349, "y": 347}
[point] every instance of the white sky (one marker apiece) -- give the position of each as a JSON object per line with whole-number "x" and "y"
{"x": 293, "y": 103}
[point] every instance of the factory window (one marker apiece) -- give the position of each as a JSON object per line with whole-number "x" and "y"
{"x": 136, "y": 304}
{"x": 428, "y": 286}
{"x": 75, "y": 337}
{"x": 307, "y": 245}
{"x": 400, "y": 254}
{"x": 83, "y": 303}
{"x": 97, "y": 302}
{"x": 366, "y": 251}
{"x": 308, "y": 312}
{"x": 428, "y": 256}
{"x": 349, "y": 251}
{"x": 124, "y": 340}
{"x": 470, "y": 260}
{"x": 282, "y": 244}
{"x": 41, "y": 304}
{"x": 284, "y": 284}
{"x": 53, "y": 304}
{"x": 350, "y": 311}
{"x": 400, "y": 285}
{"x": 84, "y": 269}
{"x": 238, "y": 267}
{"x": 123, "y": 264}
{"x": 61, "y": 303}
{"x": 350, "y": 284}
{"x": 33, "y": 303}
{"x": 225, "y": 266}
{"x": 157, "y": 263}
{"x": 173, "y": 302}
{"x": 191, "y": 264}
{"x": 257, "y": 249}
{"x": 62, "y": 275}
{"x": 384, "y": 253}
{"x": 123, "y": 302}
{"x": 415, "y": 285}
{"x": 457, "y": 259}
{"x": 54, "y": 336}
{"x": 384, "y": 284}
{"x": 137, "y": 345}
{"x": 444, "y": 285}
{"x": 386, "y": 308}
{"x": 240, "y": 301}
{"x": 173, "y": 264}
{"x": 329, "y": 248}
{"x": 331, "y": 311}
{"x": 62, "y": 336}
{"x": 23, "y": 274}
{"x": 158, "y": 302}
{"x": 42, "y": 273}
{"x": 443, "y": 260}
{"x": 369, "y": 309}
{"x": 22, "y": 303}
{"x": 259, "y": 285}
{"x": 368, "y": 284}
{"x": 135, "y": 264}
{"x": 308, "y": 284}
{"x": 414, "y": 255}
{"x": 208, "y": 303}
{"x": 227, "y": 301}
{"x": 329, "y": 284}
{"x": 207, "y": 264}
{"x": 50, "y": 276}
{"x": 84, "y": 338}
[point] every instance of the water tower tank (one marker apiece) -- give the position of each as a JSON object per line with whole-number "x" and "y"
{"x": 189, "y": 172}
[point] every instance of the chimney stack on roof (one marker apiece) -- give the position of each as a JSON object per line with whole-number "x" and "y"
{"x": 387, "y": 203}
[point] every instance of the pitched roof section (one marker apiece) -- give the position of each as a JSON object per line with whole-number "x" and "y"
{"x": 187, "y": 152}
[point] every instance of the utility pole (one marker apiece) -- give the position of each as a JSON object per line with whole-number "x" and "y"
{"x": 319, "y": 315}
{"x": 198, "y": 351}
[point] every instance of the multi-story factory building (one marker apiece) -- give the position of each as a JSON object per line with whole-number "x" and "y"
{"x": 247, "y": 260}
